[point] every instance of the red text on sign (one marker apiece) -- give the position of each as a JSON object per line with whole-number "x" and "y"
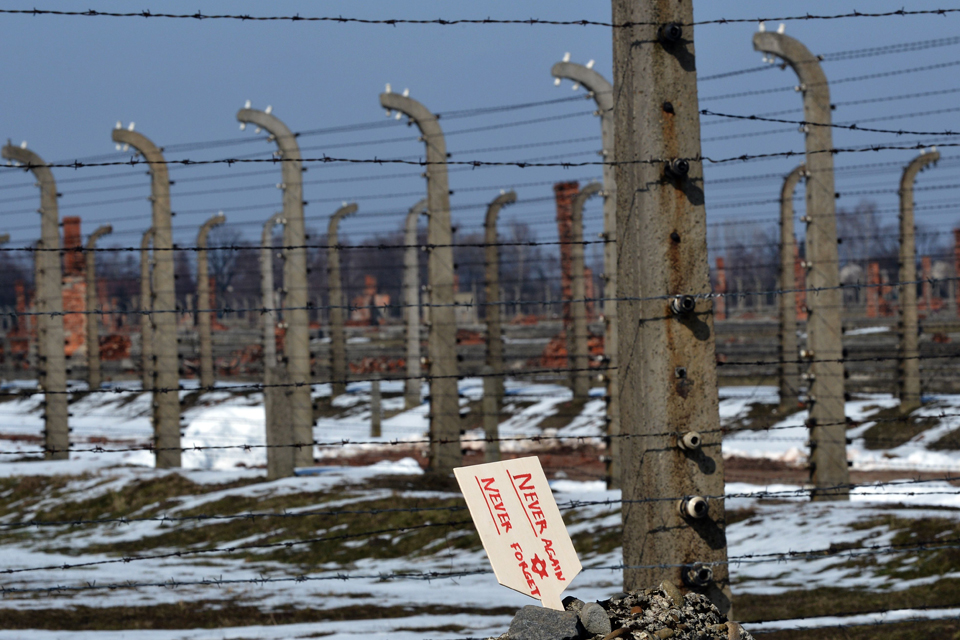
{"x": 495, "y": 504}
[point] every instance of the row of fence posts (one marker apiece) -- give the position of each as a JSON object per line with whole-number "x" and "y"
{"x": 654, "y": 262}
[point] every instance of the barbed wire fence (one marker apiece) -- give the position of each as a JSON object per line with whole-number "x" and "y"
{"x": 540, "y": 348}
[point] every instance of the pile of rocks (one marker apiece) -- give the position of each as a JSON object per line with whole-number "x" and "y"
{"x": 653, "y": 614}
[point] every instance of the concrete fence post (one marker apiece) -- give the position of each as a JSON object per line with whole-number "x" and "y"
{"x": 94, "y": 376}
{"x": 166, "y": 384}
{"x": 279, "y": 430}
{"x": 668, "y": 380}
{"x": 442, "y": 343}
{"x": 789, "y": 366}
{"x": 338, "y": 338}
{"x": 375, "y": 407}
{"x": 296, "y": 345}
{"x": 825, "y": 396}
{"x": 602, "y": 92}
{"x": 908, "y": 371}
{"x": 146, "y": 315}
{"x": 49, "y": 287}
{"x": 493, "y": 310}
{"x": 411, "y": 301}
{"x": 204, "y": 305}
{"x": 269, "y": 313}
{"x": 578, "y": 337}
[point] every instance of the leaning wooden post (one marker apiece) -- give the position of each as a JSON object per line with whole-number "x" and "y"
{"x": 49, "y": 304}
{"x": 296, "y": 343}
{"x": 94, "y": 377}
{"x": 442, "y": 342}
{"x": 908, "y": 373}
{"x": 578, "y": 342}
{"x": 602, "y": 92}
{"x": 668, "y": 378}
{"x": 494, "y": 312}
{"x": 146, "y": 317}
{"x": 411, "y": 301}
{"x": 789, "y": 366}
{"x": 204, "y": 307}
{"x": 825, "y": 398}
{"x": 338, "y": 338}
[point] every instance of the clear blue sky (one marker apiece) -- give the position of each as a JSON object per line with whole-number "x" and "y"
{"x": 67, "y": 80}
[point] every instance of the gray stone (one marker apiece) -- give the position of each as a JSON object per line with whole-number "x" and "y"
{"x": 671, "y": 591}
{"x": 595, "y": 619}
{"x": 572, "y": 604}
{"x": 539, "y": 623}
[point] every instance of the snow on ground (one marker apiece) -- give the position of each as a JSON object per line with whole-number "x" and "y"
{"x": 792, "y": 523}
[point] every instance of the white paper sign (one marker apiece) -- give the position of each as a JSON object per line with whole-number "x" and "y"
{"x": 520, "y": 526}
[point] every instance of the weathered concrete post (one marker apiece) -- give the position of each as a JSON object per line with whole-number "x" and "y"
{"x": 411, "y": 301}
{"x": 490, "y": 407}
{"x": 442, "y": 342}
{"x": 908, "y": 373}
{"x": 204, "y": 306}
{"x": 276, "y": 395}
{"x": 375, "y": 407}
{"x": 41, "y": 319}
{"x": 578, "y": 338}
{"x": 789, "y": 367}
{"x": 269, "y": 313}
{"x": 338, "y": 338}
{"x": 146, "y": 316}
{"x": 49, "y": 286}
{"x": 166, "y": 383}
{"x": 825, "y": 397}
{"x": 667, "y": 346}
{"x": 493, "y": 311}
{"x": 296, "y": 345}
{"x": 602, "y": 92}
{"x": 94, "y": 377}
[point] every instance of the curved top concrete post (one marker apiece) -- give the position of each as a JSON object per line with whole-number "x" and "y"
{"x": 166, "y": 363}
{"x": 96, "y": 235}
{"x": 445, "y": 451}
{"x": 338, "y": 338}
{"x": 917, "y": 165}
{"x": 825, "y": 397}
{"x": 296, "y": 344}
{"x": 286, "y": 142}
{"x": 493, "y": 211}
{"x": 49, "y": 301}
{"x": 595, "y": 83}
{"x": 215, "y": 221}
{"x": 333, "y": 227}
{"x": 602, "y": 93}
{"x": 798, "y": 56}
{"x": 411, "y": 301}
{"x": 494, "y": 311}
{"x": 789, "y": 367}
{"x": 578, "y": 338}
{"x": 909, "y": 353}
